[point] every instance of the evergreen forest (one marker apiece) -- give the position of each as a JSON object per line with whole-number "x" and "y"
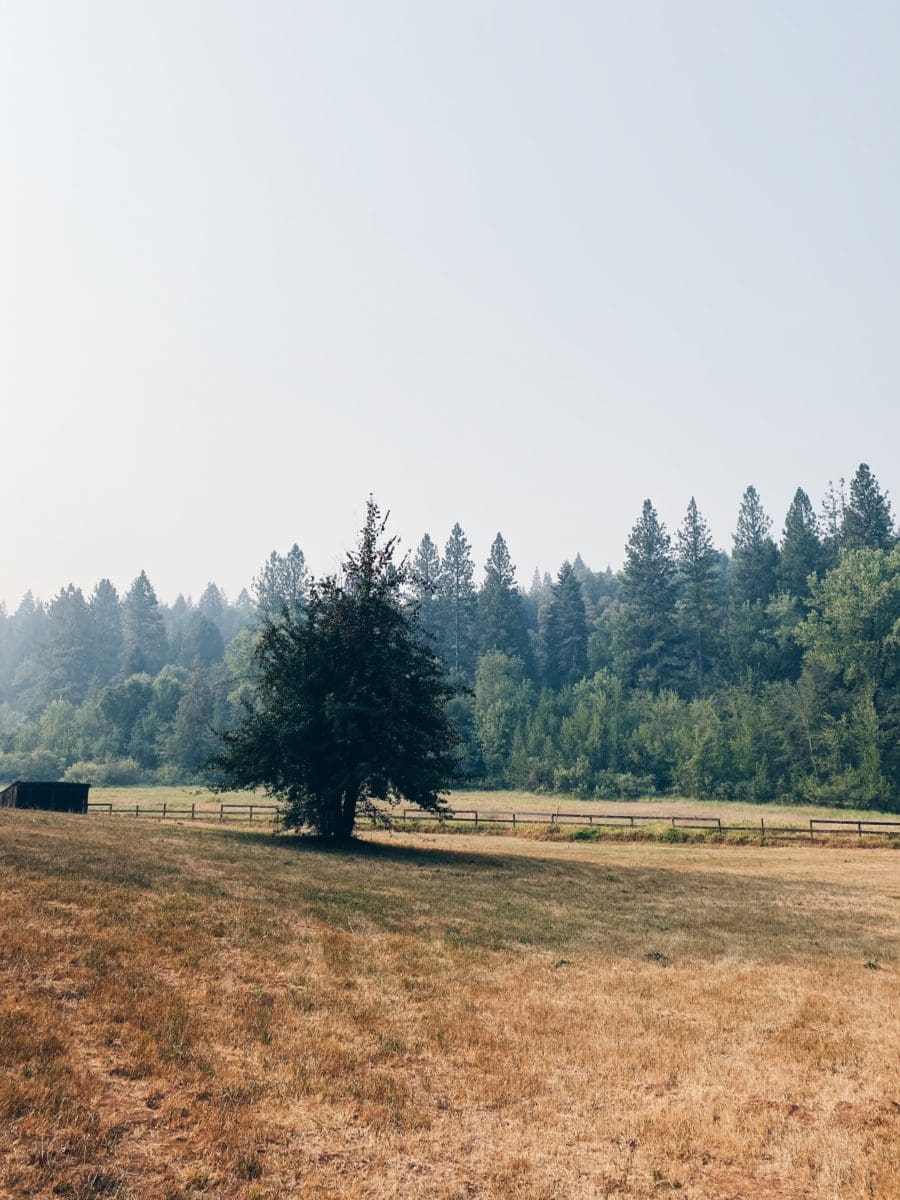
{"x": 770, "y": 672}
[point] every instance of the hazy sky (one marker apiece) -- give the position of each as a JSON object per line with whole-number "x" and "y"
{"x": 518, "y": 265}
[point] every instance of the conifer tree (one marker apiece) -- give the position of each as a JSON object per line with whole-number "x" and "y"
{"x": 868, "y": 524}
{"x": 213, "y": 604}
{"x": 700, "y": 601}
{"x": 69, "y": 661}
{"x": 565, "y": 632}
{"x": 755, "y": 557}
{"x": 801, "y": 547}
{"x": 831, "y": 525}
{"x": 106, "y": 622}
{"x": 646, "y": 644}
{"x": 500, "y": 616}
{"x": 145, "y": 647}
{"x": 457, "y": 606}
{"x": 282, "y": 584}
{"x": 426, "y": 581}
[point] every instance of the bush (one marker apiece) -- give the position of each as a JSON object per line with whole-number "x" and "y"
{"x": 35, "y": 764}
{"x": 115, "y": 772}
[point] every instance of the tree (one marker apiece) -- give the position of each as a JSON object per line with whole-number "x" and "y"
{"x": 106, "y": 621}
{"x": 868, "y": 524}
{"x": 457, "y": 601}
{"x": 143, "y": 633}
{"x": 700, "y": 601}
{"x": 500, "y": 616}
{"x": 426, "y": 579}
{"x": 69, "y": 661}
{"x": 282, "y": 583}
{"x": 565, "y": 632}
{"x": 801, "y": 547}
{"x": 834, "y": 508}
{"x": 755, "y": 557}
{"x": 351, "y": 700}
{"x": 646, "y": 644}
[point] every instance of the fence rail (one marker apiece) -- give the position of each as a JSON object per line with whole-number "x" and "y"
{"x": 222, "y": 812}
{"x": 822, "y": 826}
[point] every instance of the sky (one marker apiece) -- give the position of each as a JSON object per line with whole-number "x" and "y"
{"x": 518, "y": 265}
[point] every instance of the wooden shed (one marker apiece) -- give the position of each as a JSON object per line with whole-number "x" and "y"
{"x": 53, "y": 797}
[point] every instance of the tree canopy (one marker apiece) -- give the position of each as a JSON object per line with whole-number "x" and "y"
{"x": 352, "y": 700}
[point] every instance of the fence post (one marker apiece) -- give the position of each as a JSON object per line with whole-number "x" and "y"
{"x": 812, "y": 836}
{"x": 137, "y": 810}
{"x": 476, "y": 817}
{"x": 859, "y": 828}
{"x": 514, "y": 820}
{"x": 164, "y": 808}
{"x": 193, "y": 805}
{"x": 762, "y": 830}
{"x": 221, "y": 812}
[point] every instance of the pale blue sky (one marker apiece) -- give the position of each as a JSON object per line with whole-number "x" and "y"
{"x": 514, "y": 264}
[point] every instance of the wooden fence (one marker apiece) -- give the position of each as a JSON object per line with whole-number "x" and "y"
{"x": 220, "y": 813}
{"x": 479, "y": 817}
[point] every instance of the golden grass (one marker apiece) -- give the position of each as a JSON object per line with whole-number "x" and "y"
{"x": 730, "y": 812}
{"x": 202, "y": 1012}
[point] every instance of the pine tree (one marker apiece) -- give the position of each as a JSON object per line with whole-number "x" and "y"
{"x": 500, "y": 617}
{"x": 106, "y": 622}
{"x": 351, "y": 701}
{"x": 868, "y": 524}
{"x": 801, "y": 547}
{"x": 457, "y": 606}
{"x": 145, "y": 647}
{"x": 213, "y": 604}
{"x": 426, "y": 582}
{"x": 834, "y": 507}
{"x": 69, "y": 661}
{"x": 564, "y": 634}
{"x": 700, "y": 601}
{"x": 646, "y": 643}
{"x": 755, "y": 557}
{"x": 282, "y": 584}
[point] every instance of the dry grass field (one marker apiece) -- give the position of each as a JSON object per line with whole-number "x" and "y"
{"x": 198, "y": 1011}
{"x": 487, "y": 802}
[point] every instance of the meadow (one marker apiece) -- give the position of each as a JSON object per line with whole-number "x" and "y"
{"x": 193, "y": 1010}
{"x": 504, "y": 801}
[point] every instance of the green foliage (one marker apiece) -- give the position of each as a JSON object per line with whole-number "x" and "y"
{"x": 867, "y": 521}
{"x": 457, "y": 606}
{"x": 700, "y": 600}
{"x": 500, "y": 613}
{"x": 145, "y": 646}
{"x": 647, "y": 648}
{"x": 352, "y": 701}
{"x": 755, "y": 559}
{"x": 802, "y": 554}
{"x": 565, "y": 632}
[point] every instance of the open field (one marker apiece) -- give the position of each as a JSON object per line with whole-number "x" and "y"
{"x": 197, "y": 1011}
{"x": 505, "y": 801}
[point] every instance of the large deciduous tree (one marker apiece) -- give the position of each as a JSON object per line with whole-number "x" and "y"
{"x": 351, "y": 700}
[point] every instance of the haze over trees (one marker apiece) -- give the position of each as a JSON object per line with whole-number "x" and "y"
{"x": 767, "y": 673}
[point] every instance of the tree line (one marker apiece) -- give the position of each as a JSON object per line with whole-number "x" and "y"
{"x": 770, "y": 672}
